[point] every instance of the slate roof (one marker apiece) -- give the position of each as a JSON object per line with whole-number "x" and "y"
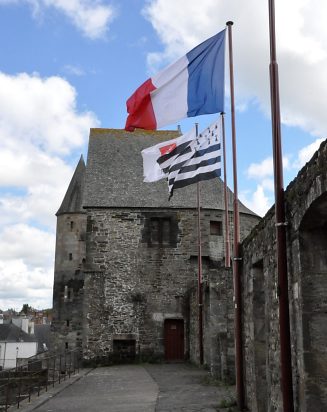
{"x": 114, "y": 175}
{"x": 73, "y": 200}
{"x": 42, "y": 334}
{"x": 12, "y": 333}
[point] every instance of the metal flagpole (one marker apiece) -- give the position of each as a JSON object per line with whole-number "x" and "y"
{"x": 284, "y": 321}
{"x": 200, "y": 299}
{"x": 227, "y": 244}
{"x": 236, "y": 254}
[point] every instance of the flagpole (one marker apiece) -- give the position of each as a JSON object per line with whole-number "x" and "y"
{"x": 227, "y": 244}
{"x": 284, "y": 321}
{"x": 200, "y": 299}
{"x": 236, "y": 257}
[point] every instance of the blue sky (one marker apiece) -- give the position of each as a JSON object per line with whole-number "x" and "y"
{"x": 68, "y": 65}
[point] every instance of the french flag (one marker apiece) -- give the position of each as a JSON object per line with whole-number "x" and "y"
{"x": 191, "y": 86}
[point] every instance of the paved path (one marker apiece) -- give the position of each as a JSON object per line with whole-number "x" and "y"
{"x": 185, "y": 388}
{"x": 135, "y": 388}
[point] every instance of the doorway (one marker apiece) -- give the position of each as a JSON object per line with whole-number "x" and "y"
{"x": 174, "y": 339}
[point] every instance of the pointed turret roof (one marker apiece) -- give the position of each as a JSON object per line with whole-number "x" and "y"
{"x": 73, "y": 200}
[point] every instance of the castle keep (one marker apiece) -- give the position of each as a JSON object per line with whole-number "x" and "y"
{"x": 127, "y": 260}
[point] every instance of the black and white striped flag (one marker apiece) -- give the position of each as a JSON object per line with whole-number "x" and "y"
{"x": 200, "y": 160}
{"x": 158, "y": 158}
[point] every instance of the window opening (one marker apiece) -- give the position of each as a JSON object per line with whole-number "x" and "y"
{"x": 160, "y": 230}
{"x": 216, "y": 228}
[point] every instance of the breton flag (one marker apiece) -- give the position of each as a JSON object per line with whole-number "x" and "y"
{"x": 164, "y": 153}
{"x": 201, "y": 160}
{"x": 192, "y": 86}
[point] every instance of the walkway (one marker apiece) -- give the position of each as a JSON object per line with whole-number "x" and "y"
{"x": 136, "y": 388}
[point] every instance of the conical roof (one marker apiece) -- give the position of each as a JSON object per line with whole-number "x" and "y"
{"x": 73, "y": 200}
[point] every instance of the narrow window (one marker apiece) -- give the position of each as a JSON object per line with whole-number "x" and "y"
{"x": 216, "y": 228}
{"x": 165, "y": 230}
{"x": 66, "y": 345}
{"x": 160, "y": 230}
{"x": 67, "y": 322}
{"x": 71, "y": 225}
{"x": 70, "y": 256}
{"x": 68, "y": 295}
{"x": 155, "y": 236}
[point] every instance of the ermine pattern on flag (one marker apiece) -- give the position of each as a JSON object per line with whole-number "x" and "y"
{"x": 201, "y": 160}
{"x": 181, "y": 151}
{"x": 165, "y": 152}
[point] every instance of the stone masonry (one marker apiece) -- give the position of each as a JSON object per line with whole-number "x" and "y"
{"x": 306, "y": 214}
{"x": 127, "y": 261}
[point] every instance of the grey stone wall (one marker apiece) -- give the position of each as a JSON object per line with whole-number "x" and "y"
{"x": 68, "y": 292}
{"x": 143, "y": 284}
{"x": 306, "y": 215}
{"x": 218, "y": 324}
{"x": 132, "y": 284}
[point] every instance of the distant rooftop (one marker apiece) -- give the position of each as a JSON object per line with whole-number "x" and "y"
{"x": 12, "y": 333}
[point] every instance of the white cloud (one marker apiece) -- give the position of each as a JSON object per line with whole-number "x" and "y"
{"x": 39, "y": 126}
{"x": 22, "y": 169}
{"x": 91, "y": 17}
{"x": 301, "y": 39}
{"x": 258, "y": 201}
{"x": 264, "y": 169}
{"x": 74, "y": 70}
{"x": 39, "y": 123}
{"x": 260, "y": 170}
{"x": 268, "y": 184}
{"x": 306, "y": 153}
{"x": 26, "y": 266}
{"x": 33, "y": 245}
{"x": 22, "y": 284}
{"x": 24, "y": 97}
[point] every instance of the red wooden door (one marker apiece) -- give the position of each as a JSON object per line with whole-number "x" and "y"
{"x": 174, "y": 339}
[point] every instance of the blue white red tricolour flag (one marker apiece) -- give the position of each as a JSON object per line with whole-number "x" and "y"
{"x": 201, "y": 160}
{"x": 192, "y": 86}
{"x": 163, "y": 154}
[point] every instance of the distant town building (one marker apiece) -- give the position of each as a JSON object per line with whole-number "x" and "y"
{"x": 15, "y": 344}
{"x": 24, "y": 323}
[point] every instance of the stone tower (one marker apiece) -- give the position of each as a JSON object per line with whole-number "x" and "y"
{"x": 69, "y": 259}
{"x": 134, "y": 297}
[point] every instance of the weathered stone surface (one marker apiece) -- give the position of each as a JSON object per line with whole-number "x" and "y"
{"x": 306, "y": 215}
{"x": 127, "y": 264}
{"x": 134, "y": 285}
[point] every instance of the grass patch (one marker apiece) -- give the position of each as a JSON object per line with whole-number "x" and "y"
{"x": 209, "y": 380}
{"x": 228, "y": 403}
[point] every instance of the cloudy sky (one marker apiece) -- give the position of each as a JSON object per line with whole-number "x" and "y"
{"x": 68, "y": 65}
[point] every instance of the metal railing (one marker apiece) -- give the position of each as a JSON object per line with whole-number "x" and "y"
{"x": 32, "y": 375}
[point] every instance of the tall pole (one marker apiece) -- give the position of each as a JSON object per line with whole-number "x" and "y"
{"x": 200, "y": 299}
{"x": 227, "y": 245}
{"x": 284, "y": 321}
{"x": 236, "y": 257}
